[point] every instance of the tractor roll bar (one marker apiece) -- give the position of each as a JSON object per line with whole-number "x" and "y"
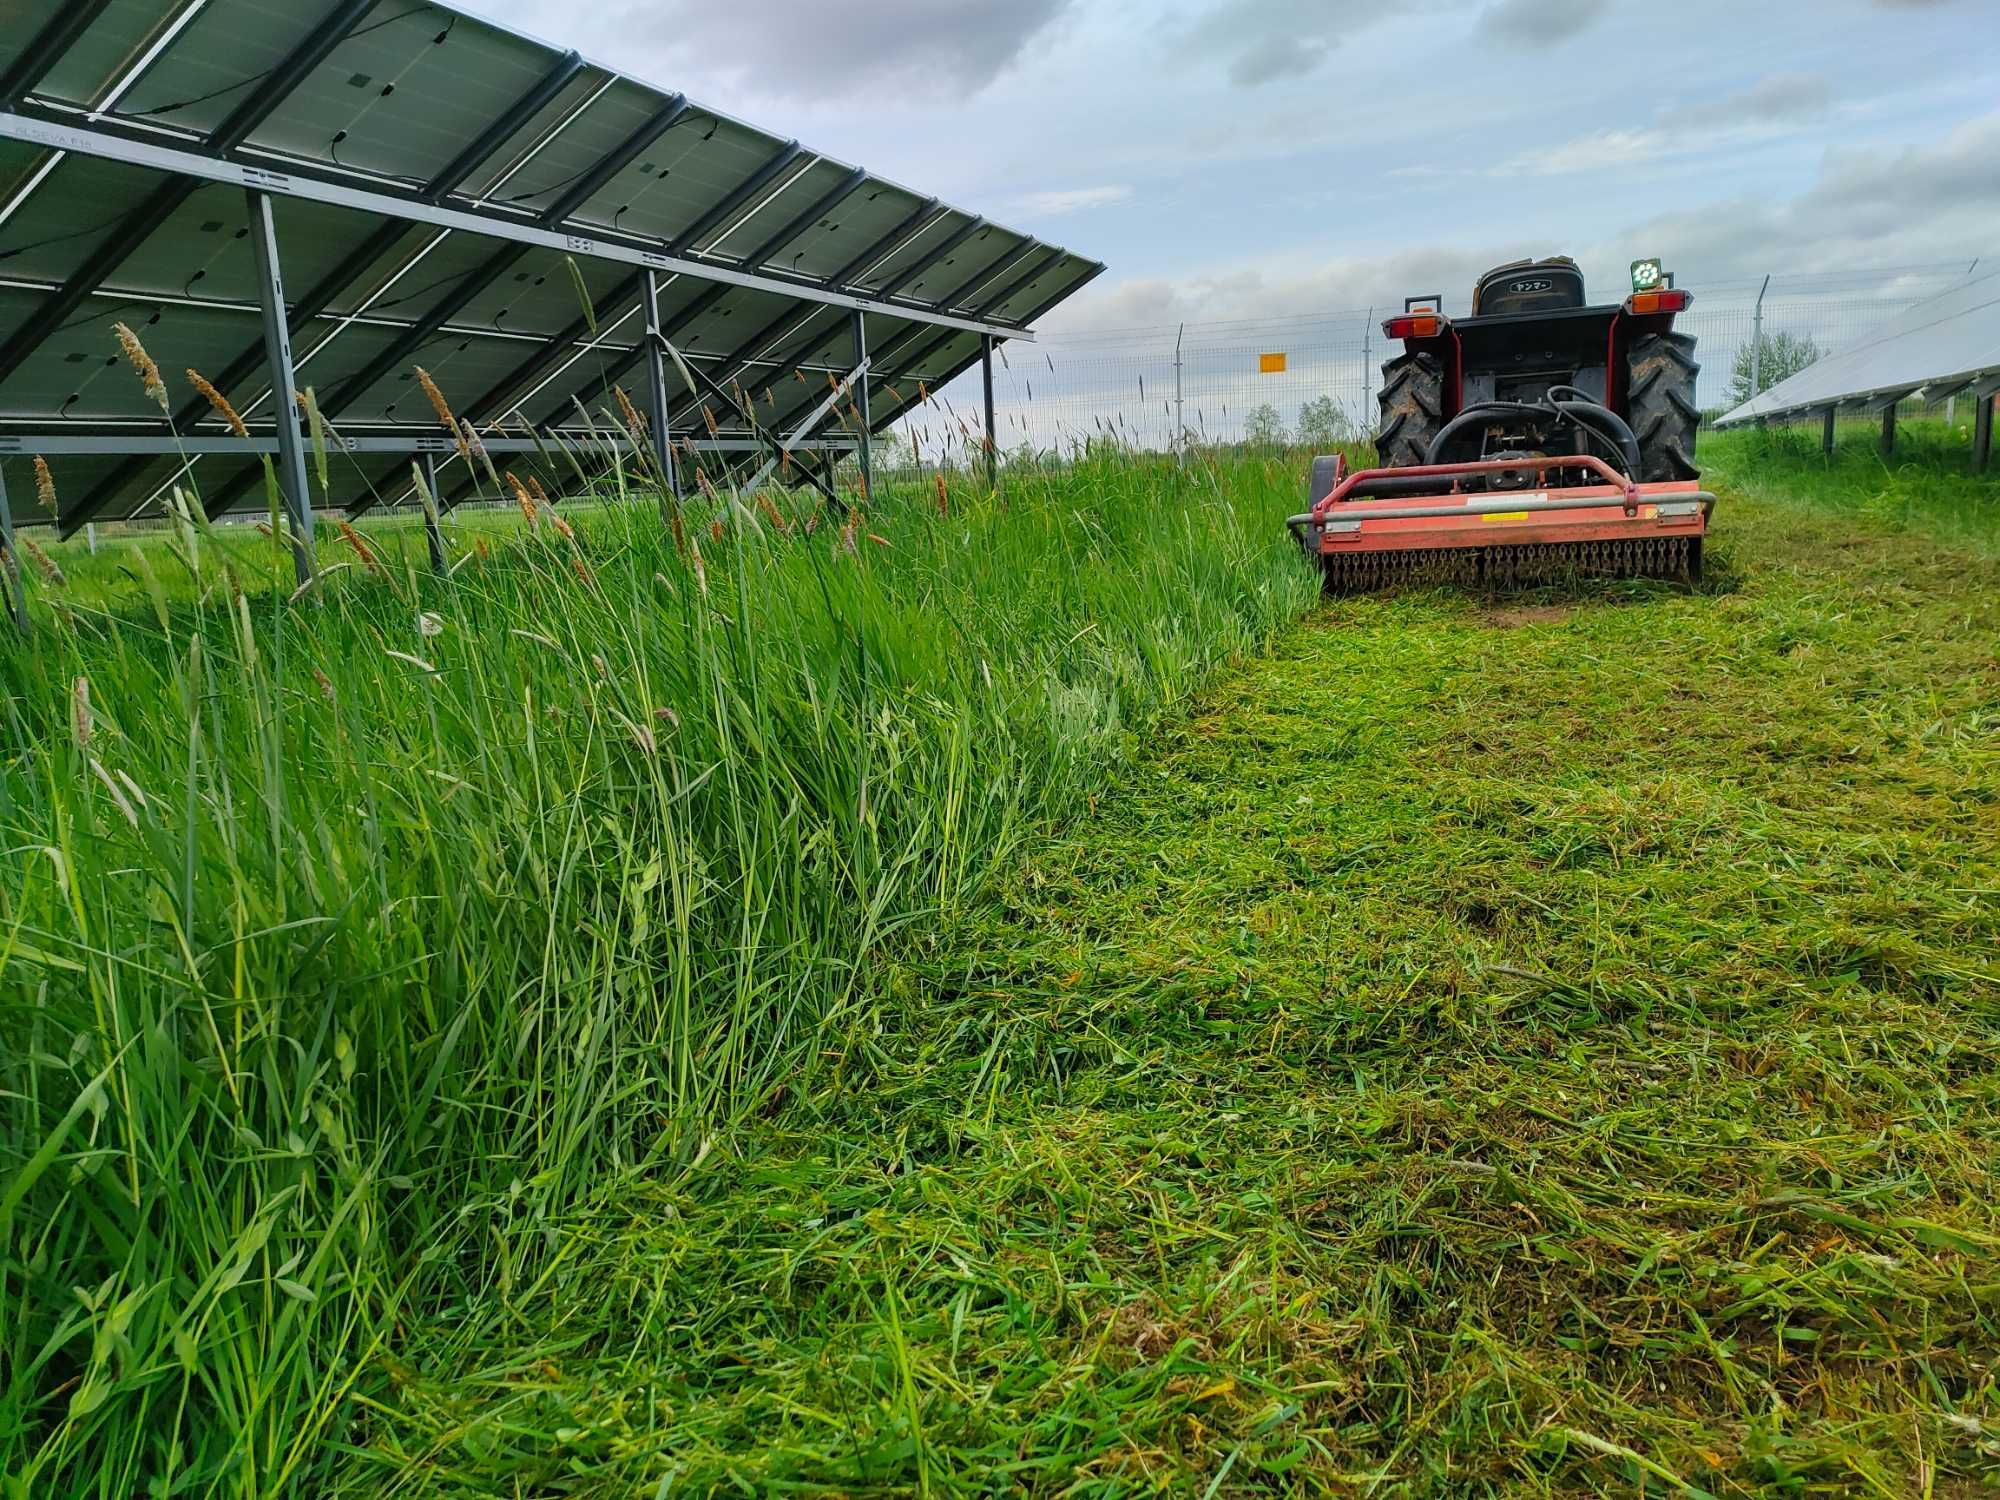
{"x": 1346, "y": 488}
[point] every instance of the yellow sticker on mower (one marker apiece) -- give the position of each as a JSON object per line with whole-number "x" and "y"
{"x": 1505, "y": 515}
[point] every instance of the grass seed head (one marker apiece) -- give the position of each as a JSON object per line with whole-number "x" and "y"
{"x": 525, "y": 500}
{"x": 142, "y": 363}
{"x": 943, "y": 496}
{"x": 362, "y": 550}
{"x": 219, "y": 402}
{"x": 438, "y": 404}
{"x": 44, "y": 564}
{"x": 80, "y": 722}
{"x": 700, "y": 568}
{"x": 633, "y": 422}
{"x": 45, "y": 485}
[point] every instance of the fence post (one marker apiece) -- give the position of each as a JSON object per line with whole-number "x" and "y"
{"x": 1367, "y": 366}
{"x": 1180, "y": 412}
{"x": 1757, "y": 343}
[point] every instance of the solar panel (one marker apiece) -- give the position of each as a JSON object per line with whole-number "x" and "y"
{"x": 440, "y": 192}
{"x": 1939, "y": 347}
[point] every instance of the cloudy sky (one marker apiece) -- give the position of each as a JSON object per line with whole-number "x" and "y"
{"x": 1259, "y": 158}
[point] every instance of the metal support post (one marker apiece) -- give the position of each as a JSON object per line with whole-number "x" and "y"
{"x": 1367, "y": 363}
{"x": 1982, "y": 431}
{"x": 1826, "y": 432}
{"x": 1757, "y": 343}
{"x": 865, "y": 454}
{"x": 17, "y": 597}
{"x": 1180, "y": 412}
{"x": 432, "y": 534}
{"x": 656, "y": 387}
{"x": 992, "y": 436}
{"x": 284, "y": 383}
{"x": 1889, "y": 428}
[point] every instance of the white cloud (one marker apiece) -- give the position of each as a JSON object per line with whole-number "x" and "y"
{"x": 1070, "y": 200}
{"x": 804, "y": 49}
{"x": 1915, "y": 206}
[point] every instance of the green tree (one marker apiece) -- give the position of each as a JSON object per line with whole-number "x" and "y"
{"x": 1784, "y": 355}
{"x": 891, "y": 450}
{"x": 1263, "y": 426}
{"x": 1322, "y": 424}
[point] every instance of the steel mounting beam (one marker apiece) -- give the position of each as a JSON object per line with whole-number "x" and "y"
{"x": 615, "y": 161}
{"x": 914, "y": 223}
{"x": 48, "y": 48}
{"x": 320, "y": 295}
{"x": 801, "y": 221}
{"x": 692, "y": 236}
{"x": 504, "y": 128}
{"x": 999, "y": 268}
{"x": 10, "y": 564}
{"x": 930, "y": 258}
{"x": 591, "y": 246}
{"x": 284, "y": 387}
{"x": 1022, "y": 282}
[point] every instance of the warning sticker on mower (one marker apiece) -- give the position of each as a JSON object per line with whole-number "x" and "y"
{"x": 1505, "y": 515}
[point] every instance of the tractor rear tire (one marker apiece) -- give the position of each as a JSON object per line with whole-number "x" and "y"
{"x": 1412, "y": 403}
{"x": 1661, "y": 402}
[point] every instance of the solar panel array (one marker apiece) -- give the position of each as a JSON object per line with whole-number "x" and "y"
{"x": 447, "y": 194}
{"x": 1943, "y": 346}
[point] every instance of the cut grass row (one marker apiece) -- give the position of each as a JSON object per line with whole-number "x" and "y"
{"x": 349, "y": 947}
{"x": 1539, "y": 1049}
{"x": 506, "y": 1034}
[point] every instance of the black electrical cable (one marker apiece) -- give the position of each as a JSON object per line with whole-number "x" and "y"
{"x": 714, "y": 124}
{"x": 243, "y": 83}
{"x": 57, "y": 239}
{"x": 1583, "y": 412}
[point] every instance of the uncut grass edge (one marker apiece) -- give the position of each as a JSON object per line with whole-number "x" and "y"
{"x": 349, "y": 947}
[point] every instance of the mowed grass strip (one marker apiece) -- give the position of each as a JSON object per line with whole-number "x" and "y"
{"x": 1548, "y": 1046}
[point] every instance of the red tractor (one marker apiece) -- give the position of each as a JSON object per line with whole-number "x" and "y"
{"x": 1538, "y": 438}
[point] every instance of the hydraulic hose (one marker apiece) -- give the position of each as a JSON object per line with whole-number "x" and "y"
{"x": 1591, "y": 416}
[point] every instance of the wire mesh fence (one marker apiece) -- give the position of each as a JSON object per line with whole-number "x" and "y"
{"x": 1313, "y": 378}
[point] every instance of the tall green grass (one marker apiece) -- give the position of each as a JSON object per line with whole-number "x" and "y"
{"x": 1926, "y": 483}
{"x": 346, "y": 945}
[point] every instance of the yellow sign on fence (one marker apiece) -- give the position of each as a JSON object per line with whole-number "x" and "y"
{"x": 1270, "y": 364}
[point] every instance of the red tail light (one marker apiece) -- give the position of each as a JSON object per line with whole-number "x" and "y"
{"x": 1419, "y": 326}
{"x": 1670, "y": 301}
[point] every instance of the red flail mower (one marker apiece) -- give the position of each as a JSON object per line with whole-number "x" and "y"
{"x": 1538, "y": 439}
